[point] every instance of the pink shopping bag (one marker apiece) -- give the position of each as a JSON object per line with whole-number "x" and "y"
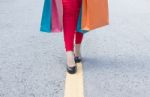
{"x": 57, "y": 14}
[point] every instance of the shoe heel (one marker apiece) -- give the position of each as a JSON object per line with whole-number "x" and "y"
{"x": 72, "y": 70}
{"x": 77, "y": 59}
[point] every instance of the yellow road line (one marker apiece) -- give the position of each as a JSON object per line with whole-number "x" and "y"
{"x": 74, "y": 83}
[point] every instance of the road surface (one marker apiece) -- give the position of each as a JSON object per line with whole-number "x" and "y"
{"x": 116, "y": 58}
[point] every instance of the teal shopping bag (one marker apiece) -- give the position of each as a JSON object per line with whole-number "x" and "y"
{"x": 79, "y": 29}
{"x": 46, "y": 16}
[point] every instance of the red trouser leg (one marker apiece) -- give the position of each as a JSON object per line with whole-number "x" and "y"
{"x": 79, "y": 37}
{"x": 71, "y": 10}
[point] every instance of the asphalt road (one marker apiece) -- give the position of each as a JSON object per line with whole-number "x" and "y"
{"x": 116, "y": 57}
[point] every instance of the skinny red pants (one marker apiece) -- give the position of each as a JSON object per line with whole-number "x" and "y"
{"x": 71, "y": 10}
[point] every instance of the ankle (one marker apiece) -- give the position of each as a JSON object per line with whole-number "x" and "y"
{"x": 77, "y": 50}
{"x": 76, "y": 54}
{"x": 70, "y": 58}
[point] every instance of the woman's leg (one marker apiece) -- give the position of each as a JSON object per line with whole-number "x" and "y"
{"x": 78, "y": 41}
{"x": 71, "y": 10}
{"x": 79, "y": 35}
{"x": 70, "y": 13}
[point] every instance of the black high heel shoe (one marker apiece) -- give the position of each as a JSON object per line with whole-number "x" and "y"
{"x": 72, "y": 70}
{"x": 77, "y": 59}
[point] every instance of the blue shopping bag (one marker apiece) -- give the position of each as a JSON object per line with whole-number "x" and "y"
{"x": 46, "y": 17}
{"x": 79, "y": 29}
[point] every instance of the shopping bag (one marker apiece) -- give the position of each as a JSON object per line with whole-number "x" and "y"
{"x": 56, "y": 16}
{"x": 46, "y": 16}
{"x": 94, "y": 14}
{"x": 78, "y": 28}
